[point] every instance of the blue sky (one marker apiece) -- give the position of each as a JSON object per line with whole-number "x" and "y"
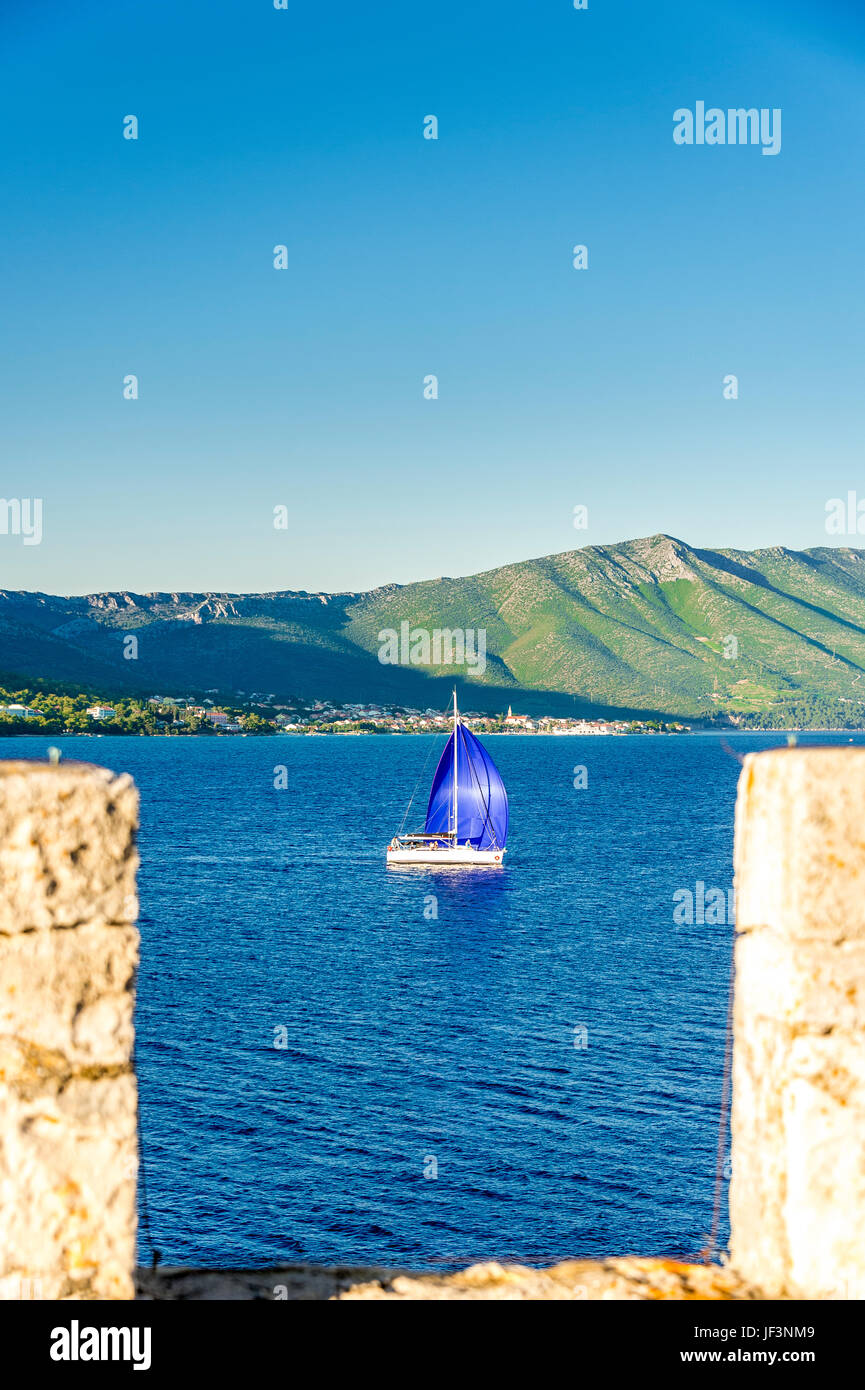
{"x": 410, "y": 257}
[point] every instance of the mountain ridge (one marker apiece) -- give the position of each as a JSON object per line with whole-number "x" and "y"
{"x": 650, "y": 625}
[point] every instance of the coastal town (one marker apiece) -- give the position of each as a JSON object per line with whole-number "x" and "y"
{"x": 323, "y": 718}
{"x": 260, "y": 713}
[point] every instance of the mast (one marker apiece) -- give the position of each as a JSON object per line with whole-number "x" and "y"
{"x": 456, "y": 752}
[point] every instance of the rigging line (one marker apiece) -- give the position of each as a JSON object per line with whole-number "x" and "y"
{"x": 142, "y": 1183}
{"x": 708, "y": 1250}
{"x": 419, "y": 780}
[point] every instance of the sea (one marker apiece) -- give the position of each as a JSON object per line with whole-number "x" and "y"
{"x": 343, "y": 1063}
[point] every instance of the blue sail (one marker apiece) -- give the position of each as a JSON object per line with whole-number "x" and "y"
{"x": 482, "y": 802}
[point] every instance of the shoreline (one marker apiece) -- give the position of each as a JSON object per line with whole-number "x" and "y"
{"x": 435, "y": 733}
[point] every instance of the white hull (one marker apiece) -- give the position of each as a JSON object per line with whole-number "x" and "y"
{"x": 459, "y": 855}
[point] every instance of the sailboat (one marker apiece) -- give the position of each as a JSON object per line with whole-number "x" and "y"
{"x": 467, "y": 814}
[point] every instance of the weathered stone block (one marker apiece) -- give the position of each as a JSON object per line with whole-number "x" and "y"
{"x": 811, "y": 986}
{"x": 67, "y": 1185}
{"x": 800, "y": 843}
{"x": 68, "y": 955}
{"x": 67, "y": 846}
{"x": 824, "y": 1125}
{"x": 71, "y": 991}
{"x": 797, "y": 1193}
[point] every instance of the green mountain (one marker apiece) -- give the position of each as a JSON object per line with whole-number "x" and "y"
{"x": 645, "y": 627}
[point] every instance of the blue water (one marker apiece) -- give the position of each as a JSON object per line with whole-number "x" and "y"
{"x": 418, "y": 1042}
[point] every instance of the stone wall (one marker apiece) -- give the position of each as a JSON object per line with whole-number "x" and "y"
{"x": 797, "y": 1194}
{"x": 68, "y": 1116}
{"x": 68, "y": 955}
{"x": 634, "y": 1280}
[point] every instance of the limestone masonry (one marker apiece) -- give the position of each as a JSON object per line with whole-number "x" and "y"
{"x": 797, "y": 1193}
{"x": 68, "y": 955}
